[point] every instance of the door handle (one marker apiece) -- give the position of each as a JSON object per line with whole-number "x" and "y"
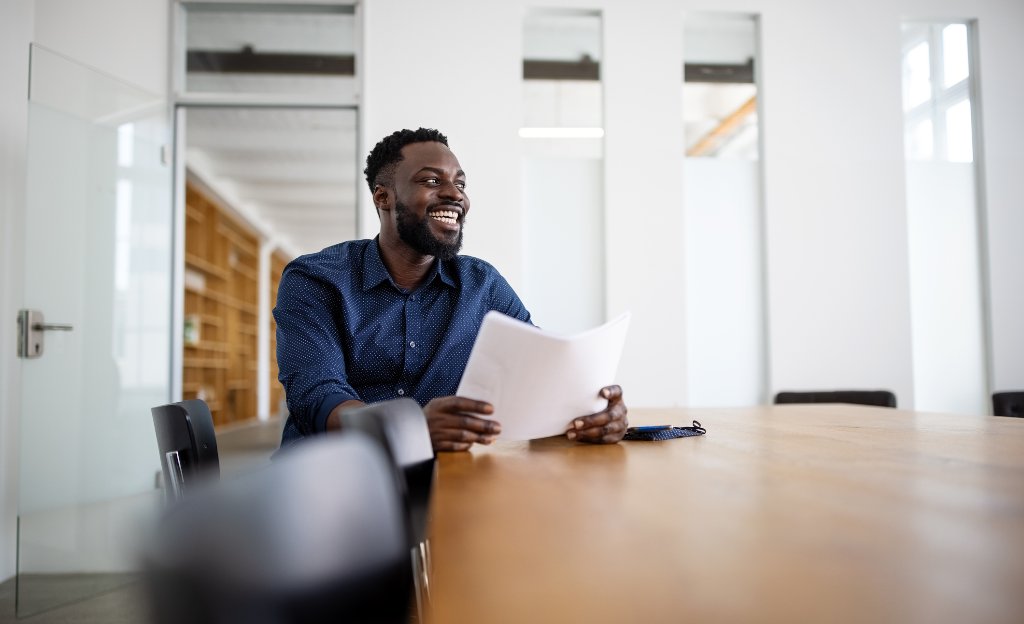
{"x": 52, "y": 327}
{"x": 31, "y": 326}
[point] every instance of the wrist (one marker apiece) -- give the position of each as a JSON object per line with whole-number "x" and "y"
{"x": 334, "y": 418}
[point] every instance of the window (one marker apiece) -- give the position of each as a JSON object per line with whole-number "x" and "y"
{"x": 937, "y": 92}
{"x": 719, "y": 90}
{"x": 943, "y": 204}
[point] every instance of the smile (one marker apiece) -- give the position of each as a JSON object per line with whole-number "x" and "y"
{"x": 451, "y": 217}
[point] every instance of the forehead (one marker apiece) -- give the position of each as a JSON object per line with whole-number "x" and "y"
{"x": 416, "y": 156}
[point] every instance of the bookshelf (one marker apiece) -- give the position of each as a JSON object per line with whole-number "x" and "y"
{"x": 221, "y": 295}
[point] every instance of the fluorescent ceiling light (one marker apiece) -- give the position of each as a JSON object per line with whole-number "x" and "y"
{"x": 561, "y": 133}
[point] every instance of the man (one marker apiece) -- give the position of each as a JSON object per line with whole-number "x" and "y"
{"x": 371, "y": 320}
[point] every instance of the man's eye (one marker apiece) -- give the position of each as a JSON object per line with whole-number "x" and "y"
{"x": 460, "y": 185}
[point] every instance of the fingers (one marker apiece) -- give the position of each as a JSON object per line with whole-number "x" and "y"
{"x": 612, "y": 393}
{"x": 605, "y": 427}
{"x": 457, "y": 405}
{"x": 453, "y": 426}
{"x": 458, "y": 433}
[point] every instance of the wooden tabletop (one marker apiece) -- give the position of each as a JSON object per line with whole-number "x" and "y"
{"x": 796, "y": 513}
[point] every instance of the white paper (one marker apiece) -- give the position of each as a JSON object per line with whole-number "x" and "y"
{"x": 539, "y": 382}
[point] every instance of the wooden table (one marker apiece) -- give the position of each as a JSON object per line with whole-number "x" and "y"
{"x": 797, "y": 513}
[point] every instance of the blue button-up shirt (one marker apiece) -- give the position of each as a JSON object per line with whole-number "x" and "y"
{"x": 346, "y": 331}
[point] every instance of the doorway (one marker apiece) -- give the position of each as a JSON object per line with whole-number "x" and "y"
{"x": 262, "y": 185}
{"x": 266, "y": 170}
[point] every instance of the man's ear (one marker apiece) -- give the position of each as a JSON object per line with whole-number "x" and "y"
{"x": 382, "y": 197}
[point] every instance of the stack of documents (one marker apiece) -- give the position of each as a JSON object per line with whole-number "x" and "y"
{"x": 538, "y": 382}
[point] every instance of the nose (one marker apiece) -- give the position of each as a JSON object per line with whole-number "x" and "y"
{"x": 448, "y": 190}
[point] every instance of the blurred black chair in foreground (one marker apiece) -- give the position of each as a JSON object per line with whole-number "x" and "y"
{"x": 188, "y": 446}
{"x": 1008, "y": 404}
{"x": 400, "y": 427}
{"x": 319, "y": 536}
{"x": 880, "y": 398}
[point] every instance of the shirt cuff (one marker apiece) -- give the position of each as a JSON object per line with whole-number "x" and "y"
{"x": 327, "y": 405}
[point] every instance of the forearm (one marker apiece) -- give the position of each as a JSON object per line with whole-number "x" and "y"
{"x": 310, "y": 359}
{"x": 334, "y": 419}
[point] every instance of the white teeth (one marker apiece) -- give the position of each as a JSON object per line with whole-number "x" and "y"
{"x": 446, "y": 216}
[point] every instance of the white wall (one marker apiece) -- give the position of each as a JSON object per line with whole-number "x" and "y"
{"x": 455, "y": 66}
{"x": 945, "y": 288}
{"x": 1000, "y": 27}
{"x": 836, "y": 222}
{"x": 838, "y": 298}
{"x": 643, "y": 195}
{"x": 724, "y": 295}
{"x": 124, "y": 38}
{"x": 564, "y": 242}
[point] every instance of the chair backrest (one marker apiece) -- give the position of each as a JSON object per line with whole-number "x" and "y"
{"x": 187, "y": 443}
{"x": 880, "y": 398}
{"x": 1008, "y": 404}
{"x": 400, "y": 427}
{"x": 317, "y": 536}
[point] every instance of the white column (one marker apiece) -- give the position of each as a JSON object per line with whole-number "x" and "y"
{"x": 263, "y": 354}
{"x": 1001, "y": 46}
{"x": 643, "y": 196}
{"x": 455, "y": 66}
{"x": 836, "y": 221}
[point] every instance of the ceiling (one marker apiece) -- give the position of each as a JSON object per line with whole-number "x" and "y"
{"x": 291, "y": 172}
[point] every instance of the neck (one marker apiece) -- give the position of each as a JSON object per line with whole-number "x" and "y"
{"x": 407, "y": 266}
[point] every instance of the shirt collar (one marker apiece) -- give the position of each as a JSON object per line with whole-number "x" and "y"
{"x": 444, "y": 272}
{"x": 375, "y": 273}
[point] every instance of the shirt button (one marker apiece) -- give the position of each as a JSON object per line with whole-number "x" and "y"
{"x": 412, "y": 343}
{"x": 413, "y": 297}
{"x": 401, "y": 392}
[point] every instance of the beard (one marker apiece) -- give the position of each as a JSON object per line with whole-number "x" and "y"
{"x": 415, "y": 232}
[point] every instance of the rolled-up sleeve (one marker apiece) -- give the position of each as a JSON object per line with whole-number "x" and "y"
{"x": 309, "y": 352}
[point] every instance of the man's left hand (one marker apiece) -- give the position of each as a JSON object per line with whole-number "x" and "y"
{"x": 605, "y": 427}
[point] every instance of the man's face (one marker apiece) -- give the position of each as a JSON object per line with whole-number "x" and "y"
{"x": 430, "y": 200}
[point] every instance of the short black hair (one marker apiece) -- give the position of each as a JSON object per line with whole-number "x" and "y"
{"x": 380, "y": 164}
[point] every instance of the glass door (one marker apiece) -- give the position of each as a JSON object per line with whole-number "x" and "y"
{"x": 98, "y": 262}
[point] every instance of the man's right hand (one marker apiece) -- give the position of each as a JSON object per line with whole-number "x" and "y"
{"x": 455, "y": 424}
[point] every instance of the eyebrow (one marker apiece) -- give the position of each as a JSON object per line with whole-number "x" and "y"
{"x": 458, "y": 173}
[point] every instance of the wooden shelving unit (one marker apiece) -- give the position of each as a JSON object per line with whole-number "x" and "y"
{"x": 221, "y": 314}
{"x": 278, "y": 261}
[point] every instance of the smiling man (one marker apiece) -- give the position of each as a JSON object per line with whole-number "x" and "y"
{"x": 371, "y": 320}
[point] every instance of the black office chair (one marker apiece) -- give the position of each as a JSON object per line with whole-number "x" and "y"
{"x": 188, "y": 445}
{"x": 1008, "y": 404}
{"x": 318, "y": 536}
{"x": 880, "y": 398}
{"x": 400, "y": 427}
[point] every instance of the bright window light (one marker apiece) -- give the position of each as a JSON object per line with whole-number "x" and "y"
{"x": 920, "y": 144}
{"x": 561, "y": 133}
{"x": 954, "y": 54}
{"x": 958, "y": 132}
{"x": 916, "y": 76}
